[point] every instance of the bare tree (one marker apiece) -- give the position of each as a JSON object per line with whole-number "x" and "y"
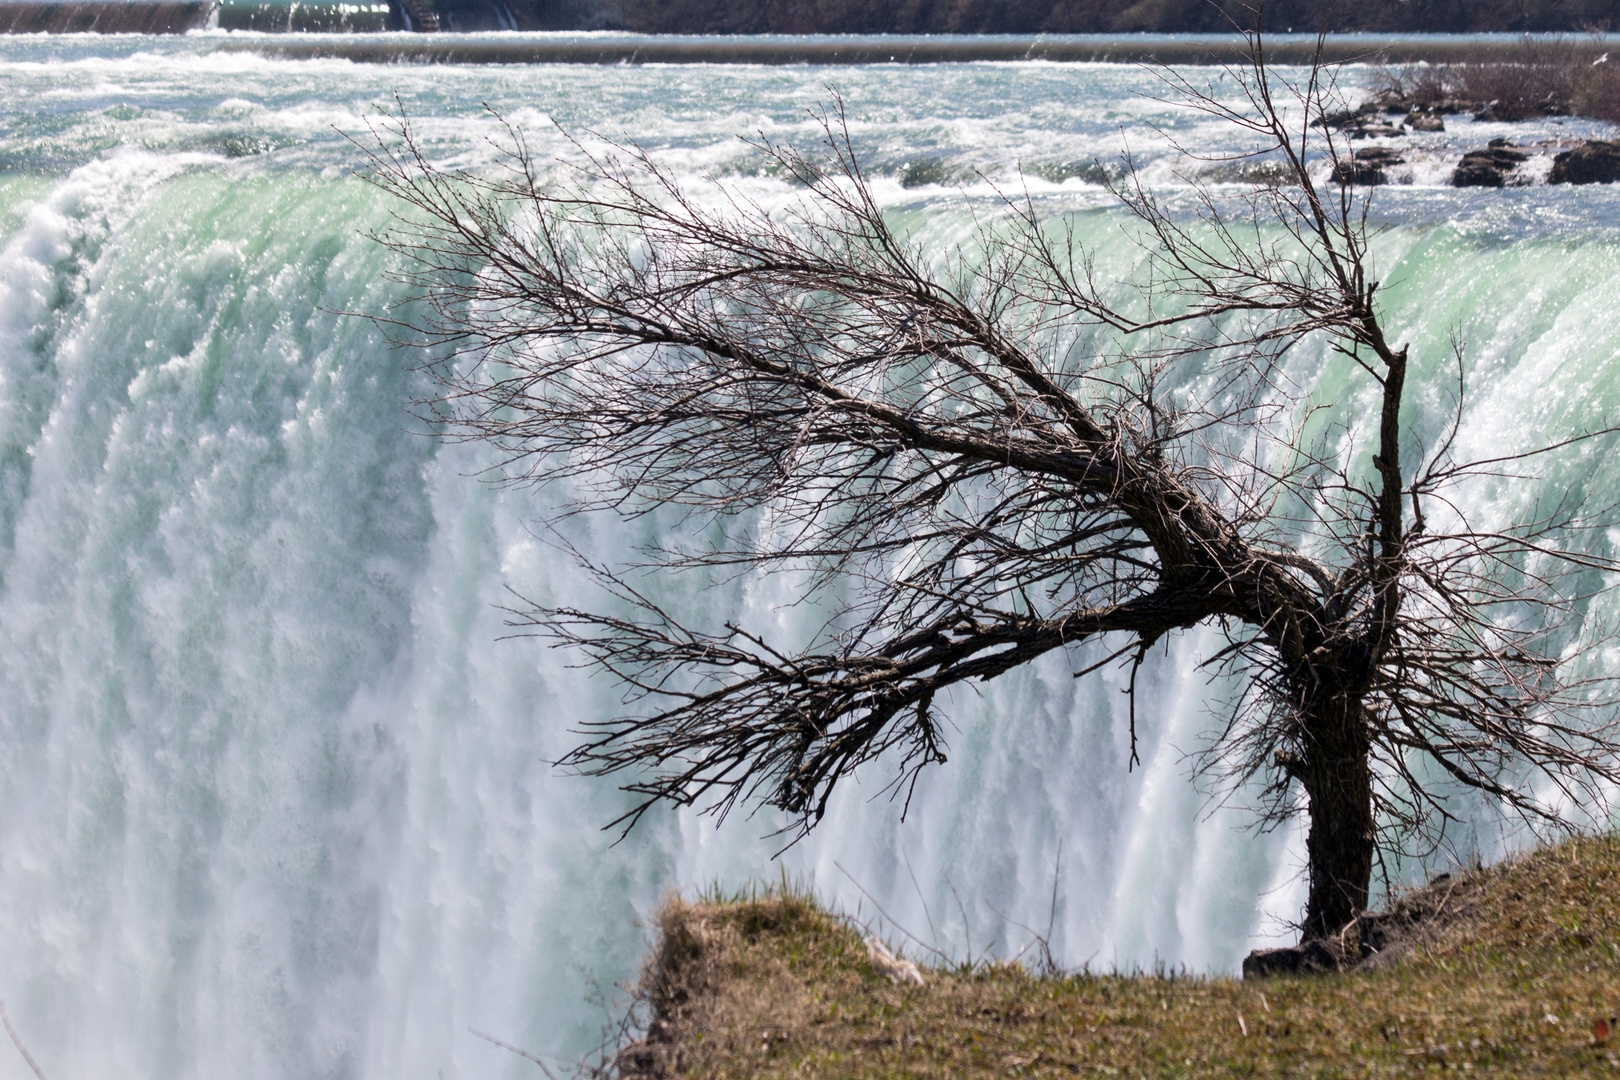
{"x": 988, "y": 454}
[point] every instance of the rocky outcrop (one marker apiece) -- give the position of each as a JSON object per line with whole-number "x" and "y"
{"x": 1490, "y": 167}
{"x": 1363, "y": 123}
{"x": 1595, "y": 163}
{"x": 1380, "y": 130}
{"x": 1309, "y": 958}
{"x": 1368, "y": 166}
{"x": 1349, "y": 118}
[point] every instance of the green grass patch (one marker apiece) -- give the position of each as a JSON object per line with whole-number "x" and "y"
{"x": 1507, "y": 971}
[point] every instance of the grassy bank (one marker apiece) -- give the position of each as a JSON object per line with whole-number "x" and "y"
{"x": 1504, "y": 972}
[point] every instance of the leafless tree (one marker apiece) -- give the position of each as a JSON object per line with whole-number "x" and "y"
{"x": 987, "y": 454}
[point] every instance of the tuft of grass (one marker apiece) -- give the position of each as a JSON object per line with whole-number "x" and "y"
{"x": 1506, "y": 971}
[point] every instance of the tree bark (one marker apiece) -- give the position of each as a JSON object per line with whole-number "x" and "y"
{"x": 1338, "y": 782}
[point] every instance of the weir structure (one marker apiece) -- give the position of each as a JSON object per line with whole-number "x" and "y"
{"x": 923, "y": 49}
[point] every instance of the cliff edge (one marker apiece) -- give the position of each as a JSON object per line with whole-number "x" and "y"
{"x": 1511, "y": 970}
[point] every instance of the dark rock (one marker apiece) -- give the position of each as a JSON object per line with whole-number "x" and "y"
{"x": 1365, "y": 113}
{"x": 1343, "y": 118}
{"x": 1055, "y": 171}
{"x": 1597, "y": 162}
{"x": 1306, "y": 958}
{"x": 1425, "y": 122}
{"x": 245, "y": 146}
{"x": 1367, "y": 166}
{"x": 1507, "y": 111}
{"x": 926, "y": 171}
{"x": 1361, "y": 123}
{"x": 1487, "y": 168}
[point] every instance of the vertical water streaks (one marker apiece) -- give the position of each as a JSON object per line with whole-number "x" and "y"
{"x": 211, "y": 559}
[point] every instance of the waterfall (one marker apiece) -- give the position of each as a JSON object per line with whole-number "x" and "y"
{"x": 274, "y": 792}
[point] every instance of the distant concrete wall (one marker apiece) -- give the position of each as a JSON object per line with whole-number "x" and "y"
{"x": 105, "y": 18}
{"x": 448, "y": 49}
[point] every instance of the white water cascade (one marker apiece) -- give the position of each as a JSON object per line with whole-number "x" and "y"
{"x": 274, "y": 800}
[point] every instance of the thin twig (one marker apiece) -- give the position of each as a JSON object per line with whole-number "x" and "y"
{"x": 515, "y": 1050}
{"x": 18, "y": 1043}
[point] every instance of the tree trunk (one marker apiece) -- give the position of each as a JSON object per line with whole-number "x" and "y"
{"x": 1338, "y": 781}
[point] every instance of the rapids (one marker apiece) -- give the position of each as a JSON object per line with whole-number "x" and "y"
{"x": 274, "y": 800}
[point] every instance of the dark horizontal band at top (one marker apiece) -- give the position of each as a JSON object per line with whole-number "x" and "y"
{"x": 447, "y": 49}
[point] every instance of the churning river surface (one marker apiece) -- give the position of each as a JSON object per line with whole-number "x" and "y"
{"x": 274, "y": 800}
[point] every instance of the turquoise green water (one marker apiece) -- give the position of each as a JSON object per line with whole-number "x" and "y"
{"x": 274, "y": 799}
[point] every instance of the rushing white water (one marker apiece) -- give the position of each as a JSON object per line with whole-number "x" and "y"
{"x": 274, "y": 799}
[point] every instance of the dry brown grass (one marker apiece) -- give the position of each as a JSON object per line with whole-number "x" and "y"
{"x": 1543, "y": 77}
{"x": 1597, "y": 93}
{"x": 778, "y": 987}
